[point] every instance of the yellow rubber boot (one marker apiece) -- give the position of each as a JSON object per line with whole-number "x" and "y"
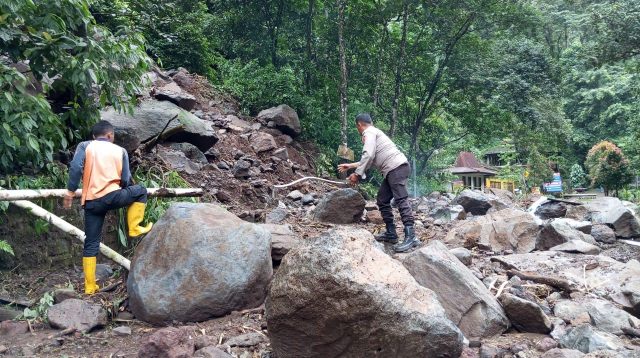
{"x": 135, "y": 214}
{"x": 89, "y": 267}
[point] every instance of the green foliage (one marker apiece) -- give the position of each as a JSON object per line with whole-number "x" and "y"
{"x": 5, "y": 247}
{"x": 260, "y": 87}
{"x": 155, "y": 177}
{"x": 74, "y": 68}
{"x": 178, "y": 33}
{"x": 577, "y": 176}
{"x": 608, "y": 167}
{"x": 39, "y": 313}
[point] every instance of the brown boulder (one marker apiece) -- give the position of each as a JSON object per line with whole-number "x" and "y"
{"x": 508, "y": 229}
{"x": 338, "y": 295}
{"x": 168, "y": 342}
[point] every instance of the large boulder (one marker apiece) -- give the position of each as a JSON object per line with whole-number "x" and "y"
{"x": 173, "y": 93}
{"x": 262, "y": 142}
{"x": 612, "y": 212}
{"x": 199, "y": 261}
{"x": 479, "y": 203}
{"x": 551, "y": 210}
{"x": 151, "y": 117}
{"x": 603, "y": 233}
{"x": 508, "y": 229}
{"x": 525, "y": 315}
{"x": 586, "y": 339}
{"x": 577, "y": 247}
{"x": 339, "y": 295}
{"x": 600, "y": 313}
{"x": 465, "y": 299}
{"x": 283, "y": 118}
{"x": 342, "y": 206}
{"x": 559, "y": 231}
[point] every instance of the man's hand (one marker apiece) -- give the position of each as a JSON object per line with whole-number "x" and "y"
{"x": 68, "y": 199}
{"x": 354, "y": 179}
{"x": 344, "y": 167}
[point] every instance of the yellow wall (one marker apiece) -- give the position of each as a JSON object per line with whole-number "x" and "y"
{"x": 500, "y": 184}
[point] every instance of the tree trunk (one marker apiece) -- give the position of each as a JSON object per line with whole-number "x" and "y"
{"x": 379, "y": 72}
{"x": 399, "y": 67}
{"x": 309, "y": 35}
{"x": 429, "y": 98}
{"x": 66, "y": 227}
{"x": 343, "y": 72}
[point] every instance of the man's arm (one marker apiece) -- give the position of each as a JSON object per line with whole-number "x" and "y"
{"x": 125, "y": 177}
{"x": 76, "y": 167}
{"x": 368, "y": 154}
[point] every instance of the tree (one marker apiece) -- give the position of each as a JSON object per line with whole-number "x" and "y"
{"x": 577, "y": 176}
{"x": 608, "y": 167}
{"x": 57, "y": 68}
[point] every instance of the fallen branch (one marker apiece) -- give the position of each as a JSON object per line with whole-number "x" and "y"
{"x": 504, "y": 284}
{"x": 71, "y": 230}
{"x": 64, "y": 332}
{"x": 110, "y": 287}
{"x": 551, "y": 281}
{"x": 311, "y": 178}
{"x": 11, "y": 195}
{"x": 10, "y": 301}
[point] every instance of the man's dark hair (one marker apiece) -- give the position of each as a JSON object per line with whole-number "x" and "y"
{"x": 364, "y": 118}
{"x": 101, "y": 128}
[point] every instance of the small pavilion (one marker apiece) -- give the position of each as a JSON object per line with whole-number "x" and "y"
{"x": 472, "y": 174}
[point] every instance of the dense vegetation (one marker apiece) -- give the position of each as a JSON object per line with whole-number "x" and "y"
{"x": 548, "y": 79}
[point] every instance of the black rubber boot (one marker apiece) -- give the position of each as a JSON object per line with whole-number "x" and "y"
{"x": 389, "y": 236}
{"x": 409, "y": 242}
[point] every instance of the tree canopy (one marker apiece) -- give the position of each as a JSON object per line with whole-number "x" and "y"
{"x": 550, "y": 77}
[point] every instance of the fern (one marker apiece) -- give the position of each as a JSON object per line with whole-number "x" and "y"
{"x": 5, "y": 247}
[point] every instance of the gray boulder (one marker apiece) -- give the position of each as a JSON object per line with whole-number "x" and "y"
{"x": 211, "y": 352}
{"x": 525, "y": 315}
{"x": 283, "y": 239}
{"x": 151, "y": 117}
{"x": 178, "y": 160}
{"x": 557, "y": 232}
{"x": 173, "y": 93}
{"x": 578, "y": 212}
{"x": 599, "y": 313}
{"x": 612, "y": 212}
{"x": 479, "y": 203}
{"x": 199, "y": 261}
{"x": 508, "y": 229}
{"x": 463, "y": 255}
{"x": 338, "y": 295}
{"x": 457, "y": 212}
{"x": 344, "y": 206}
{"x": 466, "y": 301}
{"x": 190, "y": 151}
{"x": 551, "y": 210}
{"x": 563, "y": 353}
{"x": 284, "y": 118}
{"x": 78, "y": 314}
{"x": 295, "y": 195}
{"x": 586, "y": 339}
{"x": 577, "y": 247}
{"x": 603, "y": 233}
{"x": 241, "y": 168}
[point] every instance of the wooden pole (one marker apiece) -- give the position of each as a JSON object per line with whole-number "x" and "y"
{"x": 71, "y": 230}
{"x": 28, "y": 194}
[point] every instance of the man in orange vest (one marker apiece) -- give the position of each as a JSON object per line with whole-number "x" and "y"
{"x": 106, "y": 185}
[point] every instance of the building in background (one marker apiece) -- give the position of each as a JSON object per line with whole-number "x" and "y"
{"x": 476, "y": 176}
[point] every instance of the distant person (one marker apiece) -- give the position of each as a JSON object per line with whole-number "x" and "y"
{"x": 106, "y": 185}
{"x": 380, "y": 152}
